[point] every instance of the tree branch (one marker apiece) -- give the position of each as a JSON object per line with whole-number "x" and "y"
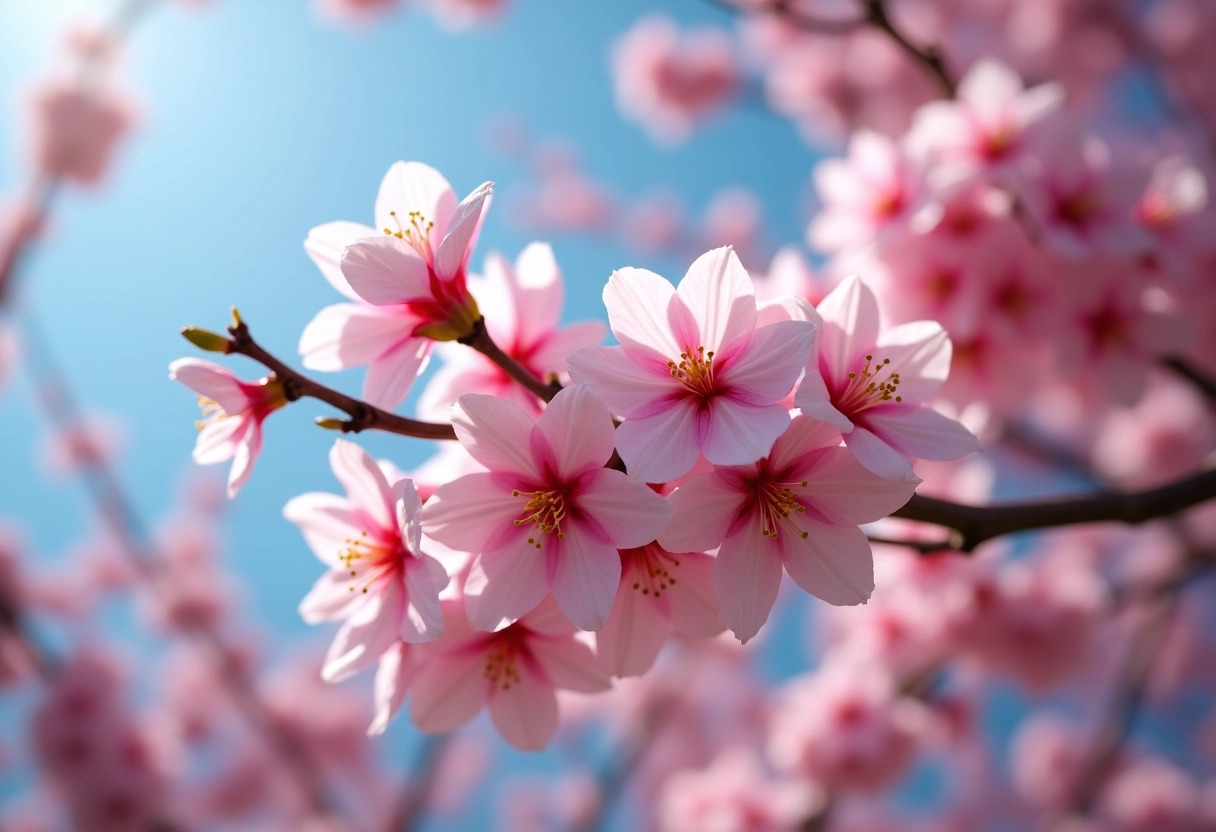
{"x": 1184, "y": 369}
{"x": 296, "y": 385}
{"x": 973, "y": 525}
{"x": 481, "y": 341}
{"x": 930, "y": 57}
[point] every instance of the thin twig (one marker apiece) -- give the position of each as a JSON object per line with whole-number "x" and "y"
{"x": 930, "y": 57}
{"x": 1184, "y": 369}
{"x": 363, "y": 416}
{"x": 481, "y": 341}
{"x": 787, "y": 12}
{"x": 416, "y": 793}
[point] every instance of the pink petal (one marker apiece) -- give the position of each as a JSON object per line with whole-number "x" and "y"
{"x": 661, "y": 447}
{"x": 585, "y": 577}
{"x": 211, "y": 380}
{"x": 330, "y": 599}
{"x": 617, "y": 378}
{"x": 877, "y": 456}
{"x": 740, "y": 433}
{"x": 747, "y": 575}
{"x": 844, "y": 492}
{"x": 364, "y": 483}
{"x": 408, "y": 510}
{"x": 638, "y": 627}
{"x": 326, "y": 245}
{"x": 217, "y": 441}
{"x": 694, "y": 602}
{"x": 469, "y": 512}
{"x": 422, "y": 618}
{"x": 623, "y": 512}
{"x": 569, "y": 664}
{"x": 548, "y": 620}
{"x": 637, "y": 302}
{"x": 525, "y": 713}
{"x": 393, "y": 677}
{"x": 367, "y": 634}
{"x": 248, "y": 446}
{"x": 461, "y": 236}
{"x": 850, "y": 326}
{"x": 385, "y": 270}
{"x": 538, "y": 293}
{"x": 833, "y": 563}
{"x": 920, "y": 352}
{"x": 921, "y": 432}
{"x": 327, "y": 521}
{"x": 448, "y": 692}
{"x": 351, "y": 335}
{"x": 579, "y": 429}
{"x": 413, "y": 186}
{"x": 765, "y": 370}
{"x": 719, "y": 293}
{"x": 391, "y": 375}
{"x": 704, "y": 508}
{"x": 804, "y": 436}
{"x": 505, "y": 584}
{"x": 551, "y": 353}
{"x": 496, "y": 433}
{"x": 814, "y": 400}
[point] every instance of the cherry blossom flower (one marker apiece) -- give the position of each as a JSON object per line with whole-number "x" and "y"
{"x": 694, "y": 373}
{"x": 75, "y": 131}
{"x": 799, "y": 507}
{"x": 660, "y": 593}
{"x": 871, "y": 384}
{"x": 233, "y": 412}
{"x": 547, "y": 514}
{"x": 407, "y": 281}
{"x": 513, "y": 672}
{"x": 380, "y": 584}
{"x": 523, "y": 306}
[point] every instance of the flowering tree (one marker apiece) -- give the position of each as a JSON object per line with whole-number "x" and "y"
{"x": 1010, "y": 295}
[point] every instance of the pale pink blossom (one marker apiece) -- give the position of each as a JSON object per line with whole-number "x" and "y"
{"x": 660, "y": 593}
{"x": 1152, "y": 794}
{"x": 91, "y": 440}
{"x": 381, "y": 585}
{"x": 870, "y": 196}
{"x": 459, "y": 15}
{"x": 694, "y": 374}
{"x": 513, "y": 673}
{"x": 233, "y": 412}
{"x": 845, "y": 727}
{"x": 406, "y": 277}
{"x": 358, "y": 12}
{"x": 668, "y": 80}
{"x": 1045, "y": 758}
{"x": 523, "y": 306}
{"x": 547, "y": 514}
{"x": 735, "y": 794}
{"x": 800, "y": 508}
{"x": 75, "y": 131}
{"x": 1176, "y": 211}
{"x": 987, "y": 129}
{"x": 872, "y": 384}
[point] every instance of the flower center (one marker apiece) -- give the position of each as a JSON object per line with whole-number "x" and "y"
{"x": 212, "y": 412}
{"x": 546, "y": 509}
{"x": 416, "y": 231}
{"x": 695, "y": 370}
{"x": 1076, "y": 211}
{"x": 652, "y": 569}
{"x": 502, "y": 664}
{"x": 867, "y": 387}
{"x": 777, "y": 505}
{"x": 368, "y": 560}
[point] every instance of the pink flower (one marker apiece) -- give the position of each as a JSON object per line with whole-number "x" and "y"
{"x": 734, "y": 794}
{"x": 354, "y": 11}
{"x": 547, "y": 514}
{"x": 871, "y": 384}
{"x": 693, "y": 374}
{"x": 513, "y": 672}
{"x": 233, "y": 411}
{"x": 988, "y": 128}
{"x": 523, "y": 306}
{"x": 798, "y": 507}
{"x": 75, "y": 131}
{"x": 380, "y": 584}
{"x": 407, "y": 280}
{"x": 661, "y": 592}
{"x": 668, "y": 80}
{"x": 876, "y": 192}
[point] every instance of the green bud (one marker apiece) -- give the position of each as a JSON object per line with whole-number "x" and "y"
{"x": 205, "y": 339}
{"x": 331, "y": 423}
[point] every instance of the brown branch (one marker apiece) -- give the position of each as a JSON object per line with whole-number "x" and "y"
{"x": 923, "y": 547}
{"x": 1184, "y": 369}
{"x": 480, "y": 340}
{"x": 929, "y": 57}
{"x": 416, "y": 794}
{"x": 973, "y": 525}
{"x": 296, "y": 385}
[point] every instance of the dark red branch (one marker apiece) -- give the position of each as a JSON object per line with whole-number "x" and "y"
{"x": 481, "y": 341}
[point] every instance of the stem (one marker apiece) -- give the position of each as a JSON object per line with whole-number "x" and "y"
{"x": 481, "y": 341}
{"x": 1184, "y": 369}
{"x": 973, "y": 525}
{"x": 363, "y": 416}
{"x": 929, "y": 56}
{"x": 415, "y": 795}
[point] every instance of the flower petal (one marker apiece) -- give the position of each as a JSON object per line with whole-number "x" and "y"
{"x": 704, "y": 508}
{"x": 579, "y": 429}
{"x": 385, "y": 270}
{"x": 413, "y": 186}
{"x": 694, "y": 603}
{"x": 330, "y": 599}
{"x": 637, "y": 301}
{"x": 467, "y": 513}
{"x": 719, "y": 293}
{"x": 367, "y": 634}
{"x": 660, "y": 447}
{"x": 833, "y": 563}
{"x": 920, "y": 352}
{"x": 569, "y": 664}
{"x": 393, "y": 677}
{"x": 505, "y": 584}
{"x": 844, "y": 492}
{"x": 586, "y": 573}
{"x": 248, "y": 446}
{"x": 422, "y": 618}
{"x": 622, "y": 512}
{"x": 850, "y": 326}
{"x": 766, "y": 369}
{"x": 391, "y": 375}
{"x": 461, "y": 235}
{"x": 921, "y": 432}
{"x": 364, "y": 483}
{"x": 877, "y": 456}
{"x": 327, "y": 521}
{"x": 525, "y": 713}
{"x": 327, "y": 243}
{"x": 448, "y": 692}
{"x": 747, "y": 575}
{"x": 616, "y": 376}
{"x": 352, "y": 334}
{"x": 739, "y": 433}
{"x": 638, "y": 627}
{"x": 496, "y": 433}
{"x": 211, "y": 380}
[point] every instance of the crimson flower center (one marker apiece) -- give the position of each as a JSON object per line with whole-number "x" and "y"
{"x": 367, "y": 560}
{"x": 502, "y": 662}
{"x": 695, "y": 370}
{"x": 546, "y": 509}
{"x": 873, "y": 384}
